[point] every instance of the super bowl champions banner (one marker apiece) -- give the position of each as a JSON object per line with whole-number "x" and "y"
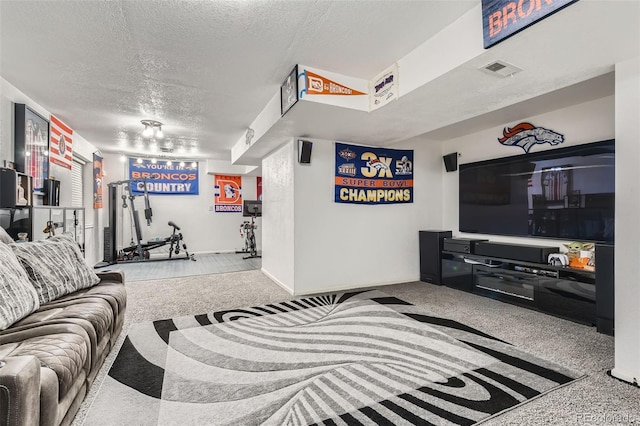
{"x": 228, "y": 194}
{"x": 164, "y": 177}
{"x": 368, "y": 175}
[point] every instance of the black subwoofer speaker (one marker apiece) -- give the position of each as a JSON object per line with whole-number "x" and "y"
{"x": 431, "y": 245}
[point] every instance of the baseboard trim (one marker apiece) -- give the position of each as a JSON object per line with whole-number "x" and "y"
{"x": 624, "y": 376}
{"x": 337, "y": 288}
{"x": 277, "y": 281}
{"x": 340, "y": 288}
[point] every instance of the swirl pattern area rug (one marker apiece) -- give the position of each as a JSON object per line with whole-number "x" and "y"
{"x": 360, "y": 358}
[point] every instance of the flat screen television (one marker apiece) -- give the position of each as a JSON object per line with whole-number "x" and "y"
{"x": 565, "y": 193}
{"x": 252, "y": 208}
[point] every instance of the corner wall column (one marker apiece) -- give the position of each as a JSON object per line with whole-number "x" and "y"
{"x": 627, "y": 233}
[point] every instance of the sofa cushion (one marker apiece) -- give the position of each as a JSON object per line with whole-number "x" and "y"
{"x": 55, "y": 267}
{"x": 18, "y": 298}
{"x": 64, "y": 353}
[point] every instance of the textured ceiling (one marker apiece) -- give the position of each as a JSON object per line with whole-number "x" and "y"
{"x": 204, "y": 68}
{"x": 207, "y": 68}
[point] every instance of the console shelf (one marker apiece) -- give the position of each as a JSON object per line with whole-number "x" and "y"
{"x": 565, "y": 292}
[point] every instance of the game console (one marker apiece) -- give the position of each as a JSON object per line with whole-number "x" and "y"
{"x": 558, "y": 259}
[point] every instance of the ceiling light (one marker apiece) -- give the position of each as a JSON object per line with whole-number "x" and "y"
{"x": 123, "y": 158}
{"x": 154, "y": 161}
{"x": 139, "y": 160}
{"x": 194, "y": 164}
{"x": 182, "y": 164}
{"x": 152, "y": 128}
{"x": 169, "y": 162}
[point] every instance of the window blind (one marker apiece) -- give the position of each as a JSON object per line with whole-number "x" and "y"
{"x": 77, "y": 200}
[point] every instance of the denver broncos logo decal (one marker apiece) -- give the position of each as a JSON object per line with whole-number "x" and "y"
{"x": 526, "y": 135}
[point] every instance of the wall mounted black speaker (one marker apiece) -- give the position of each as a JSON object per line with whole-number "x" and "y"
{"x": 304, "y": 151}
{"x": 451, "y": 162}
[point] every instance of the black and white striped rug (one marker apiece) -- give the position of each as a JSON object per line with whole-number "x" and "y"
{"x": 352, "y": 358}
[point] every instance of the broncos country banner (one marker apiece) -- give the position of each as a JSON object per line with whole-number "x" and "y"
{"x": 368, "y": 175}
{"x": 164, "y": 177}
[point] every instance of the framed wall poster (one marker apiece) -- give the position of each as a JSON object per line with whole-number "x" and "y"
{"x": 31, "y": 145}
{"x": 289, "y": 91}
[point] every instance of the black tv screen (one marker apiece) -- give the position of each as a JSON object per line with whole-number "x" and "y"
{"x": 566, "y": 193}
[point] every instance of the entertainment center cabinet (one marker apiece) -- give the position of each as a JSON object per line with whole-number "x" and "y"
{"x": 565, "y": 292}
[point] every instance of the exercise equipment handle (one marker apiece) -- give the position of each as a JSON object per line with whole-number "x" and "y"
{"x": 174, "y": 225}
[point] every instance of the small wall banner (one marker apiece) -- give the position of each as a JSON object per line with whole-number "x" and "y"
{"x": 259, "y": 187}
{"x": 320, "y": 85}
{"x": 384, "y": 88}
{"x": 228, "y": 193}
{"x": 372, "y": 175}
{"x": 164, "y": 177}
{"x": 97, "y": 181}
{"x": 60, "y": 143}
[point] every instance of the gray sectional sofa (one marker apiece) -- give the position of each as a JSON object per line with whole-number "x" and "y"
{"x": 58, "y": 322}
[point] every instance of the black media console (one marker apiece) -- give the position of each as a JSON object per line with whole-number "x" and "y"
{"x": 565, "y": 292}
{"x": 518, "y": 274}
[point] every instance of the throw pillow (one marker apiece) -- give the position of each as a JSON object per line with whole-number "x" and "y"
{"x": 4, "y": 237}
{"x": 18, "y": 298}
{"x": 55, "y": 267}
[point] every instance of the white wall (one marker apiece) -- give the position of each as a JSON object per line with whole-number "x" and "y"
{"x": 203, "y": 229}
{"x": 342, "y": 246}
{"x": 627, "y": 267}
{"x": 279, "y": 254}
{"x": 587, "y": 122}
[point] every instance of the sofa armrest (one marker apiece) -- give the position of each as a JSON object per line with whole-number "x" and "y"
{"x": 112, "y": 276}
{"x": 20, "y": 391}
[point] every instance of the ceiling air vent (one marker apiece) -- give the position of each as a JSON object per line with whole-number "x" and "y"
{"x": 500, "y": 69}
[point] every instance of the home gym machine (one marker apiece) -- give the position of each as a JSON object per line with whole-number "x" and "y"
{"x": 251, "y": 209}
{"x": 138, "y": 250}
